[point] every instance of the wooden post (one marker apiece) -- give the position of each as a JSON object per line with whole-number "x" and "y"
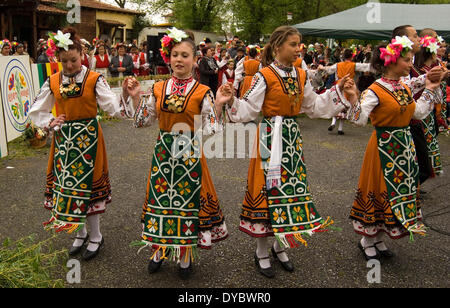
{"x": 35, "y": 39}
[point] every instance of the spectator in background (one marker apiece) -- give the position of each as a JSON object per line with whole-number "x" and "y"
{"x": 100, "y": 62}
{"x": 240, "y": 54}
{"x": 85, "y": 53}
{"x": 122, "y": 64}
{"x": 209, "y": 70}
{"x": 5, "y": 46}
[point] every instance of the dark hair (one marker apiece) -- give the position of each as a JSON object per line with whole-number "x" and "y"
{"x": 401, "y": 31}
{"x": 241, "y": 49}
{"x": 427, "y": 31}
{"x": 421, "y": 57}
{"x": 376, "y": 62}
{"x": 190, "y": 40}
{"x": 278, "y": 37}
{"x": 348, "y": 54}
{"x": 74, "y": 38}
{"x": 253, "y": 52}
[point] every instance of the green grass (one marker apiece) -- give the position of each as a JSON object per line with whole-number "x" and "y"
{"x": 20, "y": 148}
{"x": 26, "y": 264}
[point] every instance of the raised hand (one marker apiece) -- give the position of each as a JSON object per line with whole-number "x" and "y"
{"x": 224, "y": 95}
{"x": 436, "y": 74}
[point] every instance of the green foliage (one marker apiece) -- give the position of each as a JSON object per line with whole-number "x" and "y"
{"x": 26, "y": 264}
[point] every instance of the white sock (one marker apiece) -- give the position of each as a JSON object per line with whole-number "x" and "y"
{"x": 82, "y": 234}
{"x": 381, "y": 246}
{"x": 341, "y": 125}
{"x": 366, "y": 242}
{"x": 333, "y": 121}
{"x": 184, "y": 263}
{"x": 281, "y": 256}
{"x": 95, "y": 235}
{"x": 262, "y": 251}
{"x": 157, "y": 256}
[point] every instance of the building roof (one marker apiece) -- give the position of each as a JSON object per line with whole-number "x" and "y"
{"x": 96, "y": 4}
{"x": 41, "y": 8}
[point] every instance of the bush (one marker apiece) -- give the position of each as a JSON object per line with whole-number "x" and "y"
{"x": 26, "y": 264}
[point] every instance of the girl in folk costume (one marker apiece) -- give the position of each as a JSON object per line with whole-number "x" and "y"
{"x": 228, "y": 74}
{"x": 222, "y": 62}
{"x": 245, "y": 70}
{"x": 85, "y": 54}
{"x": 278, "y": 201}
{"x": 100, "y": 62}
{"x": 387, "y": 189}
{"x": 77, "y": 188}
{"x": 251, "y": 67}
{"x": 341, "y": 69}
{"x": 136, "y": 59}
{"x": 423, "y": 62}
{"x": 181, "y": 211}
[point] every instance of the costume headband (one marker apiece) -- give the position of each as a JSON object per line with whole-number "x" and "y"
{"x": 396, "y": 49}
{"x": 430, "y": 44}
{"x": 5, "y": 42}
{"x": 173, "y": 37}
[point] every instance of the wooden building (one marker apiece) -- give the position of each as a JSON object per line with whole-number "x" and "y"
{"x": 30, "y": 20}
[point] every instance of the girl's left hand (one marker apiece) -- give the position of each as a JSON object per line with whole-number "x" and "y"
{"x": 224, "y": 95}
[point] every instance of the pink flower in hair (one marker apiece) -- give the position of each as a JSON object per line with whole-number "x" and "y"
{"x": 51, "y": 48}
{"x": 391, "y": 53}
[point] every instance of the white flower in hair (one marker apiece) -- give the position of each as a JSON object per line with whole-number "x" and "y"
{"x": 440, "y": 39}
{"x": 433, "y": 47}
{"x": 176, "y": 34}
{"x": 404, "y": 41}
{"x": 63, "y": 40}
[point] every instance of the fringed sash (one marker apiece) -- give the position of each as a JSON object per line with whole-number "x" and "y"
{"x": 292, "y": 211}
{"x": 73, "y": 169}
{"x": 400, "y": 171}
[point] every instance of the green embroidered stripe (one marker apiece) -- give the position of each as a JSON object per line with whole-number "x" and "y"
{"x": 172, "y": 210}
{"x": 432, "y": 143}
{"x": 291, "y": 206}
{"x": 75, "y": 153}
{"x": 400, "y": 171}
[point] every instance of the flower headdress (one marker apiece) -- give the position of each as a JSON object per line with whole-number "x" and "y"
{"x": 430, "y": 44}
{"x": 173, "y": 36}
{"x": 58, "y": 40}
{"x": 258, "y": 49}
{"x": 5, "y": 42}
{"x": 398, "y": 47}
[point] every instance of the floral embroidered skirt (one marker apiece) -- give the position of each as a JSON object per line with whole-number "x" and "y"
{"x": 387, "y": 190}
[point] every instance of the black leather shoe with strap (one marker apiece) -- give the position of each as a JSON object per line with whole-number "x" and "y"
{"x": 288, "y": 266}
{"x": 384, "y": 253}
{"x": 74, "y": 250}
{"x": 268, "y": 272}
{"x": 89, "y": 255}
{"x": 363, "y": 249}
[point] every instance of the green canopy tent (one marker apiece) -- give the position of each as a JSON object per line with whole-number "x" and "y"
{"x": 377, "y": 20}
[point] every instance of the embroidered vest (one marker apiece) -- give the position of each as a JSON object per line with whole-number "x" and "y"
{"x": 277, "y": 101}
{"x": 82, "y": 104}
{"x": 169, "y": 115}
{"x": 344, "y": 68}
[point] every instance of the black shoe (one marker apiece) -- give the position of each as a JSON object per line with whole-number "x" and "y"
{"x": 74, "y": 250}
{"x": 268, "y": 272}
{"x": 384, "y": 253}
{"x": 341, "y": 133}
{"x": 288, "y": 266}
{"x": 153, "y": 266}
{"x": 89, "y": 255}
{"x": 331, "y": 128}
{"x": 375, "y": 257}
{"x": 185, "y": 273}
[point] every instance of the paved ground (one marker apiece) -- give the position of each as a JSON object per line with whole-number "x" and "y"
{"x": 330, "y": 260}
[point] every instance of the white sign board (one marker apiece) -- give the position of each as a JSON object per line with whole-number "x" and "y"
{"x": 17, "y": 93}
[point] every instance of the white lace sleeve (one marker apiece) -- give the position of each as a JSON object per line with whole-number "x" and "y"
{"x": 41, "y": 110}
{"x": 326, "y": 105}
{"x": 425, "y": 104}
{"x": 359, "y": 114}
{"x": 145, "y": 114}
{"x": 247, "y": 109}
{"x": 212, "y": 123}
{"x": 416, "y": 84}
{"x": 109, "y": 102}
